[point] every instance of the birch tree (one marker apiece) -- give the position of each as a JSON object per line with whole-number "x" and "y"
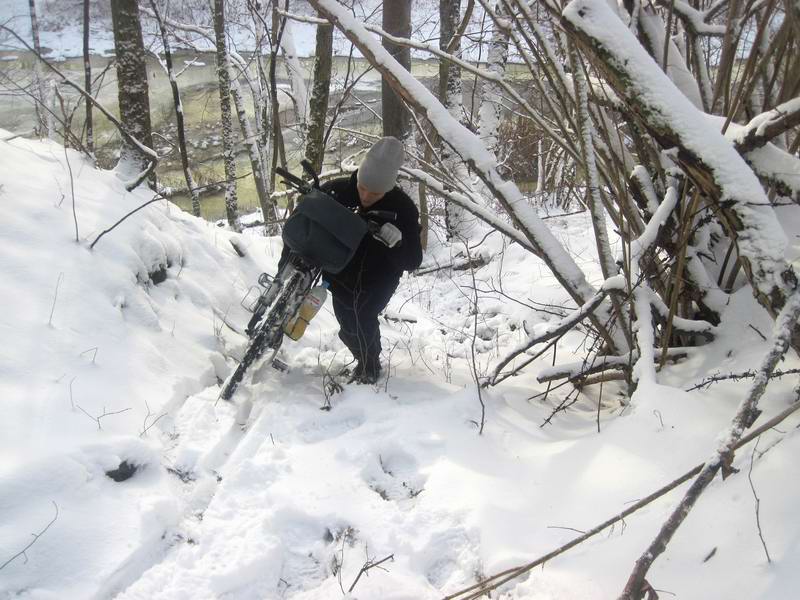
{"x": 43, "y": 119}
{"x": 228, "y": 150}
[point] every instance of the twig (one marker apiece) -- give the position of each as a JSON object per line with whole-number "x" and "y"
{"x": 72, "y": 190}
{"x": 36, "y": 537}
{"x": 105, "y": 414}
{"x": 145, "y": 426}
{"x": 758, "y": 500}
{"x": 553, "y": 331}
{"x": 89, "y": 350}
{"x": 737, "y": 376}
{"x": 156, "y": 198}
{"x": 71, "y": 401}
{"x": 567, "y": 528}
{"x": 367, "y": 566}
{"x": 475, "y": 373}
{"x": 55, "y": 296}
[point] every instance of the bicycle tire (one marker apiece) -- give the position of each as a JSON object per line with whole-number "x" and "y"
{"x": 270, "y": 330}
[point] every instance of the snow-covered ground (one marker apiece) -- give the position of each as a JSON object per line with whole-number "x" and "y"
{"x": 272, "y": 497}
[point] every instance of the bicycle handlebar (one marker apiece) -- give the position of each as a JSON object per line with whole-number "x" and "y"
{"x": 382, "y": 215}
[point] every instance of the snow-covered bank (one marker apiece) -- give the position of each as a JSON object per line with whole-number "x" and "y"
{"x": 270, "y": 497}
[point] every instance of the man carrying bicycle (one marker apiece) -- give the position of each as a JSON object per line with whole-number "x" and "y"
{"x": 365, "y": 286}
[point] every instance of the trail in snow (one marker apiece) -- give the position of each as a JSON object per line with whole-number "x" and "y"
{"x": 270, "y": 497}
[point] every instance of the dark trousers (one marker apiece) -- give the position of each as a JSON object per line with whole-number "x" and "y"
{"x": 357, "y": 312}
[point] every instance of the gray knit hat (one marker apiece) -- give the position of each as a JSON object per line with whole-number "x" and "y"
{"x": 378, "y": 170}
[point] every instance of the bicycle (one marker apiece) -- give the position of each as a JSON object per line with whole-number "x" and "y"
{"x": 322, "y": 235}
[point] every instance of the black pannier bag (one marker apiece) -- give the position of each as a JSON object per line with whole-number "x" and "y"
{"x": 323, "y": 232}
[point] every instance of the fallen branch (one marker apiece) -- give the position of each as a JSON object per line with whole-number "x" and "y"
{"x": 367, "y": 566}
{"x": 491, "y": 583}
{"x": 737, "y": 376}
{"x": 474, "y": 263}
{"x": 552, "y": 331}
{"x": 579, "y": 370}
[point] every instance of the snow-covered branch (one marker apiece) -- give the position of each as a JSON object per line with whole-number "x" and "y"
{"x": 710, "y": 161}
{"x": 769, "y": 125}
{"x": 694, "y": 20}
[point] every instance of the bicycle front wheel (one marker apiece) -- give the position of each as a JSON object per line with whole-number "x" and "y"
{"x": 270, "y": 332}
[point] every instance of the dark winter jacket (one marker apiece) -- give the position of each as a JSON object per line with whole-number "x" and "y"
{"x": 374, "y": 265}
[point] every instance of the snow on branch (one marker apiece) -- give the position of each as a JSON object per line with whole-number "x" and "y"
{"x": 581, "y": 369}
{"x": 472, "y": 205}
{"x": 768, "y": 125}
{"x": 694, "y": 20}
{"x": 206, "y": 33}
{"x": 551, "y": 331}
{"x": 711, "y": 161}
{"x": 472, "y": 151}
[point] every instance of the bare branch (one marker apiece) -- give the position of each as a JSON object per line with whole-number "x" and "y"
{"x": 36, "y": 537}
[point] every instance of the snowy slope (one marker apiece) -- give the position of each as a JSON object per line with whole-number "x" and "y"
{"x": 271, "y": 497}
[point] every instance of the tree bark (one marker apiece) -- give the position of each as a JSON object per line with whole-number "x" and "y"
{"x": 134, "y": 101}
{"x": 451, "y": 97}
{"x": 315, "y": 147}
{"x": 223, "y": 75}
{"x": 251, "y": 142}
{"x": 396, "y": 21}
{"x": 491, "y": 106}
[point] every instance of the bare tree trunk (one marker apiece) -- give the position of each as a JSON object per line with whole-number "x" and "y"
{"x": 176, "y": 98}
{"x": 43, "y": 127}
{"x": 251, "y": 142}
{"x": 87, "y": 79}
{"x": 223, "y": 74}
{"x": 278, "y": 148}
{"x": 396, "y": 21}
{"x": 134, "y": 102}
{"x": 315, "y": 148}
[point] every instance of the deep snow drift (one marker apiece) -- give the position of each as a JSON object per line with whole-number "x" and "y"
{"x": 271, "y": 497}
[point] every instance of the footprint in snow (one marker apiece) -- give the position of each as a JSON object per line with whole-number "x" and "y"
{"x": 393, "y": 474}
{"x": 328, "y": 425}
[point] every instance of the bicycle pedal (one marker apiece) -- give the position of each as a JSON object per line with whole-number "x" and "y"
{"x": 280, "y": 365}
